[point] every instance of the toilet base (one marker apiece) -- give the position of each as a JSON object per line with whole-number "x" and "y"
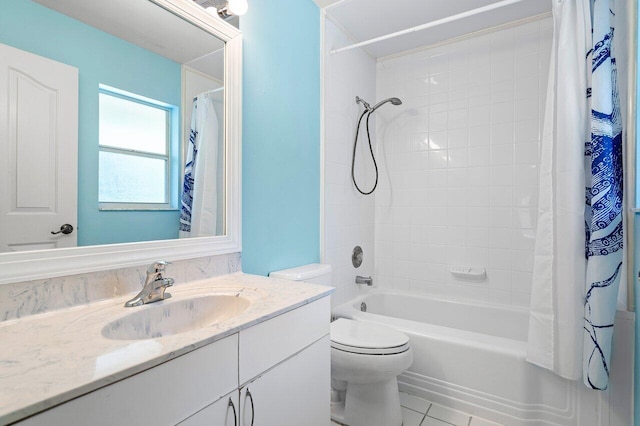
{"x": 369, "y": 404}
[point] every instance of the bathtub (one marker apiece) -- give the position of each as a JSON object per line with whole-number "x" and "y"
{"x": 471, "y": 357}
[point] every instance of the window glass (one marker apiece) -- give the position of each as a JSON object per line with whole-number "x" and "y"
{"x": 134, "y": 158}
{"x": 131, "y": 125}
{"x": 128, "y": 178}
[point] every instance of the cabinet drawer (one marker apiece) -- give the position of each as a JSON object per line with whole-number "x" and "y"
{"x": 162, "y": 395}
{"x": 273, "y": 341}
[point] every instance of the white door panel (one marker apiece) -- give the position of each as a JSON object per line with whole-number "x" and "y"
{"x": 38, "y": 145}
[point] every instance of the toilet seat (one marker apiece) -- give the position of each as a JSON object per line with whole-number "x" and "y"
{"x": 366, "y": 338}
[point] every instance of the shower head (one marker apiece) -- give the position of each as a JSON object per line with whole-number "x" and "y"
{"x": 367, "y": 107}
{"x": 394, "y": 101}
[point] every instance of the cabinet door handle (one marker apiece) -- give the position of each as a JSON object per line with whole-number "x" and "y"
{"x": 253, "y": 413}
{"x": 233, "y": 407}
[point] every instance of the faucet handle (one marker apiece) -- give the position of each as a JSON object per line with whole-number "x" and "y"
{"x": 158, "y": 266}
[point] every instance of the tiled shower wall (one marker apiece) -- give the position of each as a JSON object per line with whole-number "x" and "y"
{"x": 459, "y": 162}
{"x": 348, "y": 217}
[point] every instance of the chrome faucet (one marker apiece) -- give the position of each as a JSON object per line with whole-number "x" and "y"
{"x": 154, "y": 286}
{"x": 364, "y": 280}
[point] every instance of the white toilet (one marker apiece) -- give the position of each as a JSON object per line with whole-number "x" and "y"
{"x": 366, "y": 360}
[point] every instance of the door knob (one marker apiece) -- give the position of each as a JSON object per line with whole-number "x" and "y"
{"x": 64, "y": 229}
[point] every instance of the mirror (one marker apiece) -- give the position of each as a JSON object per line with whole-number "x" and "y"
{"x": 138, "y": 76}
{"x": 153, "y": 78}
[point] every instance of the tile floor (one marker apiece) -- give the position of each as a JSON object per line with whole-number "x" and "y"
{"x": 419, "y": 412}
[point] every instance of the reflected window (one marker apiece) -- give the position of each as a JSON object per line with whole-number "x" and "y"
{"x": 135, "y": 136}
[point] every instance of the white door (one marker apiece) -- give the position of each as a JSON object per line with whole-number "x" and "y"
{"x": 38, "y": 151}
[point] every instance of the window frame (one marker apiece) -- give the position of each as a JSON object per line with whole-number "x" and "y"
{"x": 171, "y": 122}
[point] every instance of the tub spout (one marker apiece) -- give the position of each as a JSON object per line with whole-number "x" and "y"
{"x": 364, "y": 280}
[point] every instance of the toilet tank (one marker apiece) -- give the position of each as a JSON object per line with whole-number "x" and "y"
{"x": 315, "y": 273}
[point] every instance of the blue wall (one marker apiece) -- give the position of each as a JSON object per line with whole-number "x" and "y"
{"x": 100, "y": 58}
{"x": 281, "y": 135}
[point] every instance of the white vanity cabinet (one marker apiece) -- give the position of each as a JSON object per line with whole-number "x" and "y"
{"x": 282, "y": 363}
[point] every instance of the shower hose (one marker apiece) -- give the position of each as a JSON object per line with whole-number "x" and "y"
{"x": 366, "y": 112}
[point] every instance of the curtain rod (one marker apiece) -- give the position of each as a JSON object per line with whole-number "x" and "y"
{"x": 219, "y": 89}
{"x": 429, "y": 25}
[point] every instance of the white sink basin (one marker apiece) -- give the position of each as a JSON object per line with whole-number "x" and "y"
{"x": 172, "y": 317}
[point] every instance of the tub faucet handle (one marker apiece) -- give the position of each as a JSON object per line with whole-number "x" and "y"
{"x": 364, "y": 280}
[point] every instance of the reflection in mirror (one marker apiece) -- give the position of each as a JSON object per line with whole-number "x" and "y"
{"x": 106, "y": 109}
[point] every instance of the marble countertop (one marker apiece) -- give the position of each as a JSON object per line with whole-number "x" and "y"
{"x": 51, "y": 358}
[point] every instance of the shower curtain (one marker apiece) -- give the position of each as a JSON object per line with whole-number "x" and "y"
{"x": 198, "y": 199}
{"x": 604, "y": 189}
{"x": 571, "y": 305}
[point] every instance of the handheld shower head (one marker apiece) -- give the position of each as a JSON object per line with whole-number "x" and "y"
{"x": 367, "y": 112}
{"x": 394, "y": 101}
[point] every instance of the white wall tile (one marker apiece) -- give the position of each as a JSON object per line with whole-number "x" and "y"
{"x": 458, "y": 157}
{"x": 501, "y": 155}
{"x": 437, "y": 178}
{"x": 502, "y": 133}
{"x": 479, "y": 197}
{"x": 458, "y": 162}
{"x": 501, "y": 175}
{"x": 478, "y": 237}
{"x": 458, "y": 138}
{"x": 480, "y": 135}
{"x": 438, "y": 140}
{"x": 457, "y": 178}
{"x": 483, "y": 138}
{"x": 502, "y": 112}
{"x": 526, "y": 131}
{"x": 479, "y": 156}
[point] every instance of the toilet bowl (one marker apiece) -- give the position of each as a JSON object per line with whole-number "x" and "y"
{"x": 366, "y": 360}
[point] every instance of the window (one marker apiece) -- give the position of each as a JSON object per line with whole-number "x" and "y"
{"x": 135, "y": 152}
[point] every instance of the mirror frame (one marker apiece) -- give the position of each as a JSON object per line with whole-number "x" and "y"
{"x": 39, "y": 264}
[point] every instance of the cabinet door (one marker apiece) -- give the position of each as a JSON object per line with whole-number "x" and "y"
{"x": 223, "y": 412}
{"x": 293, "y": 393}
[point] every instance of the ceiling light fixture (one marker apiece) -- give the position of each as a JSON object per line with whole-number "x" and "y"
{"x": 232, "y": 8}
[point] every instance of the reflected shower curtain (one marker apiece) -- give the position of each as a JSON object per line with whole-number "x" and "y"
{"x": 578, "y": 253}
{"x": 198, "y": 199}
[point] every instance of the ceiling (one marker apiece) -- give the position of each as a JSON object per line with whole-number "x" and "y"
{"x": 142, "y": 23}
{"x": 367, "y": 19}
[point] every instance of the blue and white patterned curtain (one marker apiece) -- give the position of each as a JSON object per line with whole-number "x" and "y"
{"x": 198, "y": 200}
{"x": 604, "y": 189}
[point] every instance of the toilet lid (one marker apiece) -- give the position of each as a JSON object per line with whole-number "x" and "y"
{"x": 366, "y": 338}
